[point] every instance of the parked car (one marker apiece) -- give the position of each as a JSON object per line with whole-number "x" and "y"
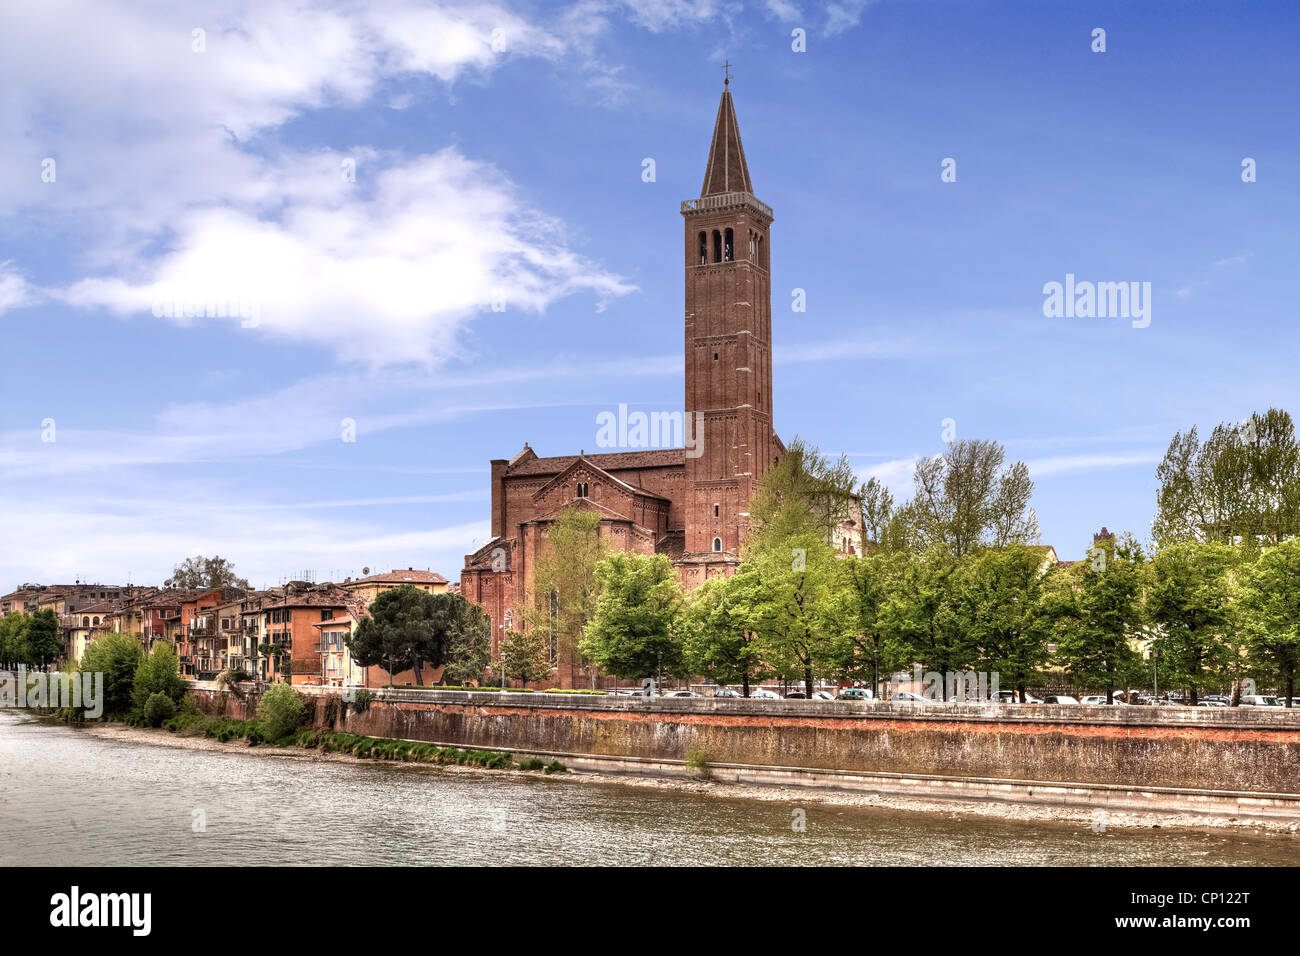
{"x": 681, "y": 693}
{"x": 762, "y": 693}
{"x": 1218, "y": 698}
{"x": 1207, "y": 702}
{"x": 822, "y": 695}
{"x": 907, "y": 697}
{"x": 796, "y": 695}
{"x": 726, "y": 692}
{"x": 1009, "y": 697}
{"x": 1099, "y": 700}
{"x": 1260, "y": 700}
{"x": 856, "y": 693}
{"x": 1060, "y": 699}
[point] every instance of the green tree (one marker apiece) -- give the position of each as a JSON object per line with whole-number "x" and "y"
{"x": 565, "y": 583}
{"x": 159, "y": 672}
{"x": 117, "y": 656}
{"x": 1269, "y": 613}
{"x": 406, "y": 629}
{"x": 631, "y": 632}
{"x": 919, "y": 619}
{"x": 526, "y": 656}
{"x": 468, "y": 638}
{"x": 158, "y": 708}
{"x": 715, "y": 633}
{"x": 1189, "y": 602}
{"x": 43, "y": 644}
{"x": 14, "y": 647}
{"x": 1242, "y": 483}
{"x": 1097, "y": 618}
{"x": 803, "y": 494}
{"x": 199, "y": 572}
{"x": 793, "y": 610}
{"x": 997, "y": 605}
{"x": 281, "y": 711}
{"x": 862, "y": 648}
{"x": 965, "y": 499}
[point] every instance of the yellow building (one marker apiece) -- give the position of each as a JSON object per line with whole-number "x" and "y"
{"x": 367, "y": 589}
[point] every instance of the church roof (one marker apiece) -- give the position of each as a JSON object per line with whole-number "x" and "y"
{"x": 582, "y": 460}
{"x": 583, "y": 504}
{"x": 613, "y": 461}
{"x": 726, "y": 171}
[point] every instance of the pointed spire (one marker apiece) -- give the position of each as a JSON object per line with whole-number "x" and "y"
{"x": 726, "y": 171}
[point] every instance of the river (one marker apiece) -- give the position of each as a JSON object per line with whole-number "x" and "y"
{"x": 69, "y": 798}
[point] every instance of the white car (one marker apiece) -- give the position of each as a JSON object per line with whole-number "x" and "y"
{"x": 907, "y": 697}
{"x": 1009, "y": 697}
{"x": 1260, "y": 700}
{"x": 1061, "y": 699}
{"x": 1099, "y": 700}
{"x": 762, "y": 693}
{"x": 822, "y": 695}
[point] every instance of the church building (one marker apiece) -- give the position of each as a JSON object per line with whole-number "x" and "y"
{"x": 694, "y": 507}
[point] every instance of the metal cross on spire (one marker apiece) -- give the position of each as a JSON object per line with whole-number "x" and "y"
{"x": 726, "y": 73}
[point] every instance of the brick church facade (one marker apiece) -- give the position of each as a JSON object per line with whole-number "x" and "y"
{"x": 694, "y": 508}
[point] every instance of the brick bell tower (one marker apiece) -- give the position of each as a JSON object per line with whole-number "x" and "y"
{"x": 728, "y": 351}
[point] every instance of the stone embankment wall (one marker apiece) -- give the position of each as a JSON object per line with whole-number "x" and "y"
{"x": 1237, "y": 749}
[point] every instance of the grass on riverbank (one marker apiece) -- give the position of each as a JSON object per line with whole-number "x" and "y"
{"x": 226, "y": 729}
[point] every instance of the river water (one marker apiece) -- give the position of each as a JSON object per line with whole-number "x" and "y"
{"x": 68, "y": 798}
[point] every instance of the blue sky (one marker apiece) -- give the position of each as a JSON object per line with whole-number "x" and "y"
{"x": 498, "y": 155}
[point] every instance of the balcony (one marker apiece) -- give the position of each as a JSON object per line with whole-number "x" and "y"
{"x": 724, "y": 201}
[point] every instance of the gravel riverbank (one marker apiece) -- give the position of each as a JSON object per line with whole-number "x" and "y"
{"x": 796, "y": 796}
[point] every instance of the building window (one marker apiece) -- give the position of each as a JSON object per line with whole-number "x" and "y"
{"x": 715, "y": 511}
{"x": 582, "y": 489}
{"x": 555, "y": 625}
{"x": 717, "y": 544}
{"x": 728, "y": 247}
{"x": 327, "y": 614}
{"x": 717, "y": 246}
{"x": 704, "y": 248}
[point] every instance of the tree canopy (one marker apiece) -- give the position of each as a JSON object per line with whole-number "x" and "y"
{"x": 630, "y": 634}
{"x": 1240, "y": 484}
{"x": 199, "y": 572}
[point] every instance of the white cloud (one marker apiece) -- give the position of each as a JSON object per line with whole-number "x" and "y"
{"x": 784, "y": 10}
{"x": 844, "y": 15}
{"x": 156, "y": 176}
{"x": 70, "y": 540}
{"x": 896, "y": 475}
{"x": 14, "y": 290}
{"x": 385, "y": 278}
{"x": 1072, "y": 464}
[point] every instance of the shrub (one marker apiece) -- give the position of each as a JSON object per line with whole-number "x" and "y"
{"x": 361, "y": 699}
{"x": 555, "y": 767}
{"x": 116, "y": 656}
{"x": 281, "y": 711}
{"x": 531, "y": 763}
{"x": 157, "y": 708}
{"x": 697, "y": 762}
{"x": 159, "y": 673}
